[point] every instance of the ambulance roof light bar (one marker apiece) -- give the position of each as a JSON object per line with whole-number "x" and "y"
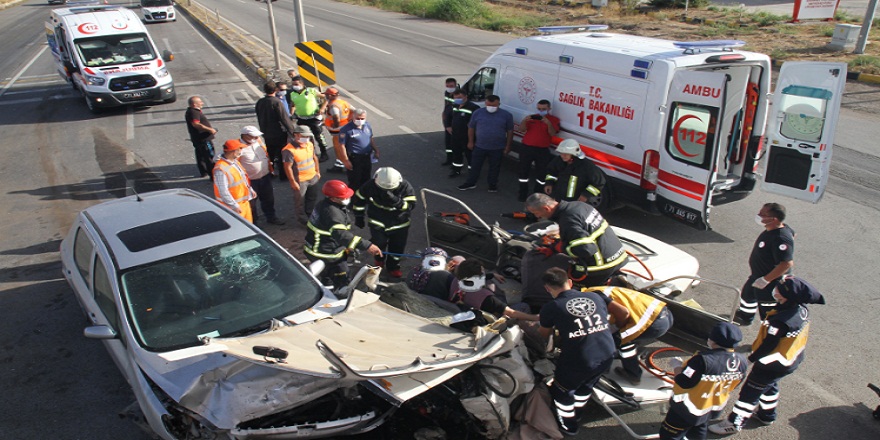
{"x": 692, "y": 47}
{"x": 546, "y": 30}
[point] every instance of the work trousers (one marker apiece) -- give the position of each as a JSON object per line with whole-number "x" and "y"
{"x": 390, "y": 241}
{"x": 204, "y": 151}
{"x": 480, "y": 155}
{"x": 447, "y": 138}
{"x": 676, "y": 425}
{"x": 308, "y": 195}
{"x": 274, "y": 145}
{"x": 629, "y": 351}
{"x": 317, "y": 128}
{"x": 460, "y": 152}
{"x": 571, "y": 390}
{"x": 335, "y": 272}
{"x": 540, "y": 157}
{"x": 754, "y": 300}
{"x": 265, "y": 195}
{"x": 759, "y": 395}
{"x": 361, "y": 170}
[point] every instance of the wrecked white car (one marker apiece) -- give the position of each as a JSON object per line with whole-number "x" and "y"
{"x": 223, "y": 334}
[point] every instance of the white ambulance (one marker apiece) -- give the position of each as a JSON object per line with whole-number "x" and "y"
{"x": 677, "y": 127}
{"x": 107, "y": 54}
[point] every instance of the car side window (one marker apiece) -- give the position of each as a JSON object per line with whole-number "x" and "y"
{"x": 103, "y": 291}
{"x": 82, "y": 253}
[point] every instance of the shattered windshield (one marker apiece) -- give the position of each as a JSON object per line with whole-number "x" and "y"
{"x": 155, "y": 3}
{"x": 234, "y": 289}
{"x": 108, "y": 50}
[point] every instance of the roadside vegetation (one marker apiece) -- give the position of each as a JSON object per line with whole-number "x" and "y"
{"x": 763, "y": 32}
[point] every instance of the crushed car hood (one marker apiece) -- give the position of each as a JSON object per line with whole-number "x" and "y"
{"x": 396, "y": 354}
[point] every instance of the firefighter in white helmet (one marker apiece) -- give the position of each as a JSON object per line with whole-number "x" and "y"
{"x": 386, "y": 201}
{"x": 571, "y": 176}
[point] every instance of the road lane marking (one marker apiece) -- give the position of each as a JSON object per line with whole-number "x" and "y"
{"x": 371, "y": 47}
{"x": 22, "y": 70}
{"x": 238, "y": 73}
{"x": 292, "y": 62}
{"x": 410, "y": 131}
{"x": 129, "y": 123}
{"x": 167, "y": 44}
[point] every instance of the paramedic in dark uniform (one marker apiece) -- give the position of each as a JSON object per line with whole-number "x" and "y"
{"x": 778, "y": 350}
{"x": 329, "y": 236}
{"x": 649, "y": 319}
{"x": 451, "y": 85}
{"x": 771, "y": 257}
{"x": 586, "y": 237}
{"x": 585, "y": 340}
{"x": 703, "y": 385}
{"x": 457, "y": 126}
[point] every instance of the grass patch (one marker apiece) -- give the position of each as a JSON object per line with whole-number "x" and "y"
{"x": 473, "y": 13}
{"x": 826, "y": 31}
{"x": 865, "y": 63}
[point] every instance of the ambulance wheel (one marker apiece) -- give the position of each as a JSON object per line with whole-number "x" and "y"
{"x": 602, "y": 202}
{"x": 877, "y": 413}
{"x": 92, "y": 107}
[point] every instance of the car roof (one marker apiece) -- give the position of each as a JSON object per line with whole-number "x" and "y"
{"x": 120, "y": 222}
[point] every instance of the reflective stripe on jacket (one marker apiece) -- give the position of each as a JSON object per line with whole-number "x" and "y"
{"x": 709, "y": 378}
{"x": 328, "y": 233}
{"x": 644, "y": 310}
{"x": 388, "y": 210}
{"x": 239, "y": 186}
{"x": 304, "y": 159}
{"x": 344, "y": 114}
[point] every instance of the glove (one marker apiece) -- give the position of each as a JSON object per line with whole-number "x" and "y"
{"x": 577, "y": 272}
{"x": 403, "y": 216}
{"x": 760, "y": 283}
{"x": 359, "y": 221}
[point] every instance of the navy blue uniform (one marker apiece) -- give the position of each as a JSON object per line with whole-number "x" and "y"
{"x": 589, "y": 240}
{"x": 770, "y": 249}
{"x": 587, "y": 349}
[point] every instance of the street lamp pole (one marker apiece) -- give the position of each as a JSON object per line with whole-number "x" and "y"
{"x": 300, "y": 21}
{"x": 275, "y": 50}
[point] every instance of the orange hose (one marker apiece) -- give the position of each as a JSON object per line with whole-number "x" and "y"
{"x": 657, "y": 371}
{"x": 650, "y": 276}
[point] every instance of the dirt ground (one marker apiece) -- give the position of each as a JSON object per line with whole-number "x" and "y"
{"x": 762, "y": 33}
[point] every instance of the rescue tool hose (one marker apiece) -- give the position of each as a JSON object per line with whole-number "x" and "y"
{"x": 650, "y": 276}
{"x": 656, "y": 371}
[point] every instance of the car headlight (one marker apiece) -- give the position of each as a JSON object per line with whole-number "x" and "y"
{"x": 162, "y": 73}
{"x": 95, "y": 80}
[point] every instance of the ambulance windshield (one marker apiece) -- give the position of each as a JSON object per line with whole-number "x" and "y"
{"x": 109, "y": 50}
{"x": 155, "y": 3}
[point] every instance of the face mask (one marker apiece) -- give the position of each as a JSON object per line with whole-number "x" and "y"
{"x": 543, "y": 112}
{"x": 282, "y": 92}
{"x": 472, "y": 284}
{"x": 434, "y": 262}
{"x": 450, "y": 89}
{"x": 458, "y": 100}
{"x": 759, "y": 220}
{"x": 359, "y": 122}
{"x": 491, "y": 109}
{"x": 297, "y": 88}
{"x": 345, "y": 202}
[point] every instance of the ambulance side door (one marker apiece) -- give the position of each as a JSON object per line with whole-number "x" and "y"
{"x": 800, "y": 129}
{"x": 688, "y": 153}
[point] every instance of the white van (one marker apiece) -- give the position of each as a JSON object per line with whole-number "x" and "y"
{"x": 107, "y": 54}
{"x": 158, "y": 10}
{"x": 677, "y": 127}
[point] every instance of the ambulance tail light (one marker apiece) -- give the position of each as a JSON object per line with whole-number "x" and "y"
{"x": 650, "y": 170}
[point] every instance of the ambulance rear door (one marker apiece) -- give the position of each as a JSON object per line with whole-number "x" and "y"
{"x": 800, "y": 129}
{"x": 688, "y": 154}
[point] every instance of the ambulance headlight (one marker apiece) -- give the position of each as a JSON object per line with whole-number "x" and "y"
{"x": 162, "y": 73}
{"x": 95, "y": 80}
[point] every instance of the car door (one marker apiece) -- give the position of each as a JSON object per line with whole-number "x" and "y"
{"x": 801, "y": 127}
{"x": 458, "y": 230}
{"x": 688, "y": 157}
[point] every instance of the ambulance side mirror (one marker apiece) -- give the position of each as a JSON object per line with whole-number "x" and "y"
{"x": 167, "y": 55}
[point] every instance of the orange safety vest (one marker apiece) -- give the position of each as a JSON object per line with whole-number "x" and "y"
{"x": 239, "y": 186}
{"x": 344, "y": 113}
{"x": 304, "y": 159}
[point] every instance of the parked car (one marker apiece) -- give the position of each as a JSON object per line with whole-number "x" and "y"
{"x": 221, "y": 333}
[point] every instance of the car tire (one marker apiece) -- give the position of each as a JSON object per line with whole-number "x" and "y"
{"x": 603, "y": 202}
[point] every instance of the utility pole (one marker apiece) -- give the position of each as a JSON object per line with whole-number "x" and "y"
{"x": 866, "y": 27}
{"x": 275, "y": 50}
{"x": 300, "y": 21}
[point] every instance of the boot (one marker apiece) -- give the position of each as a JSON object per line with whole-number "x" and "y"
{"x": 523, "y": 191}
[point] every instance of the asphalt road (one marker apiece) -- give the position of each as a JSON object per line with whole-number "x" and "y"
{"x": 59, "y": 159}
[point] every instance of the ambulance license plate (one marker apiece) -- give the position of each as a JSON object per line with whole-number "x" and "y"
{"x": 132, "y": 95}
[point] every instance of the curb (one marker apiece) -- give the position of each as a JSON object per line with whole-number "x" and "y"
{"x": 9, "y": 4}
{"x": 243, "y": 57}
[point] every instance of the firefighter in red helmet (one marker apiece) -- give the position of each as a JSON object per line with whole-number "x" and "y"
{"x": 329, "y": 237}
